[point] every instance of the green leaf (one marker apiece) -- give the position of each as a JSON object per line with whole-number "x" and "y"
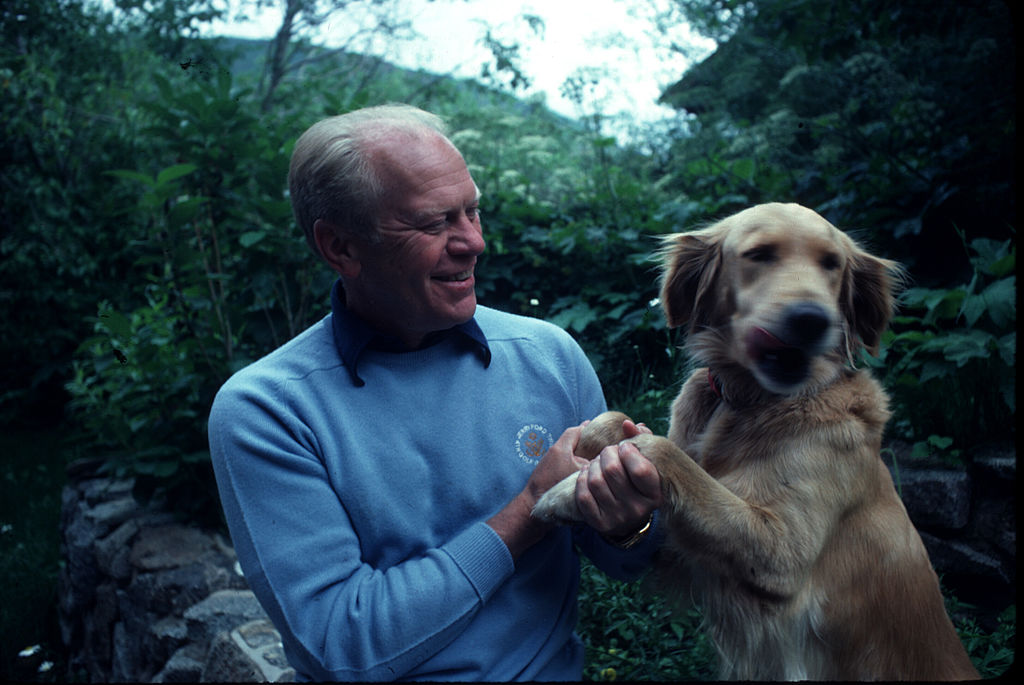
{"x": 1000, "y": 300}
{"x": 184, "y": 210}
{"x": 250, "y": 238}
{"x": 130, "y": 175}
{"x": 744, "y": 168}
{"x": 576, "y": 318}
{"x": 173, "y": 173}
{"x": 934, "y": 369}
{"x": 972, "y": 309}
{"x": 964, "y": 346}
{"x": 939, "y": 441}
{"x": 940, "y": 304}
{"x": 994, "y": 257}
{"x": 119, "y": 325}
{"x": 1007, "y": 346}
{"x": 920, "y": 450}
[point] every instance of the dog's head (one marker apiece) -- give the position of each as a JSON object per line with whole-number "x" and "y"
{"x": 778, "y": 290}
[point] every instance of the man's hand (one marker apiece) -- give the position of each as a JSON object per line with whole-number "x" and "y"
{"x": 514, "y": 524}
{"x": 557, "y": 463}
{"x": 619, "y": 489}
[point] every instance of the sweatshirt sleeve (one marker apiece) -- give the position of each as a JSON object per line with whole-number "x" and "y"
{"x": 341, "y": 618}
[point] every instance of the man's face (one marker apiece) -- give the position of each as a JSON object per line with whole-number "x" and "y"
{"x": 419, "y": 277}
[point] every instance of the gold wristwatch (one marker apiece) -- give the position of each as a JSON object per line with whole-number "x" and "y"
{"x": 632, "y": 540}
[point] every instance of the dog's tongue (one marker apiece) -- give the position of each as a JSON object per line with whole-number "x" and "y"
{"x": 760, "y": 342}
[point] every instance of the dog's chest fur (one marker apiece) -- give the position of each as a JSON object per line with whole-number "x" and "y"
{"x": 733, "y": 439}
{"x": 758, "y": 451}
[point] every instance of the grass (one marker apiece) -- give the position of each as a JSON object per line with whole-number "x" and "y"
{"x": 30, "y": 487}
{"x": 632, "y": 635}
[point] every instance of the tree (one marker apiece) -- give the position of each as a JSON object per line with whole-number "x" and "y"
{"x": 896, "y": 120}
{"x": 65, "y": 119}
{"x": 167, "y": 27}
{"x": 867, "y": 109}
{"x": 364, "y": 24}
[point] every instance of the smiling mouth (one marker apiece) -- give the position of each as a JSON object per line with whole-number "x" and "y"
{"x": 454, "y": 278}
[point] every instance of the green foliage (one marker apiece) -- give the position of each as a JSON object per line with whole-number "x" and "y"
{"x": 992, "y": 651}
{"x": 219, "y": 281}
{"x": 950, "y": 356}
{"x": 60, "y": 73}
{"x": 575, "y": 248}
{"x": 630, "y": 634}
{"x": 864, "y": 110}
{"x": 139, "y": 390}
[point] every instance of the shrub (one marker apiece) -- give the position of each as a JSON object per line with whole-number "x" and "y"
{"x": 631, "y": 634}
{"x": 219, "y": 280}
{"x": 949, "y": 359}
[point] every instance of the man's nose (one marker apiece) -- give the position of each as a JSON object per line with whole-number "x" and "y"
{"x": 466, "y": 236}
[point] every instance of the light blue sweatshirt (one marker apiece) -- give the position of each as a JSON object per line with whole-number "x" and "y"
{"x": 356, "y": 500}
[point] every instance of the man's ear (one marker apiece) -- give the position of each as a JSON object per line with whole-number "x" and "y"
{"x": 337, "y": 248}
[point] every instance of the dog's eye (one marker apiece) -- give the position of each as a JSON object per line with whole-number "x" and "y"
{"x": 830, "y": 262}
{"x": 761, "y": 253}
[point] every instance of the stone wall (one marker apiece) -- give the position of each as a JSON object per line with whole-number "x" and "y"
{"x": 144, "y": 598}
{"x": 967, "y": 519}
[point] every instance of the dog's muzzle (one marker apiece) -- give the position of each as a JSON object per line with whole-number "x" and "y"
{"x": 784, "y": 355}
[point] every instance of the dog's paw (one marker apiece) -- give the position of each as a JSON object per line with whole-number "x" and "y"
{"x": 558, "y": 505}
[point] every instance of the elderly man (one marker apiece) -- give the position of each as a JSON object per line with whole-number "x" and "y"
{"x": 378, "y": 471}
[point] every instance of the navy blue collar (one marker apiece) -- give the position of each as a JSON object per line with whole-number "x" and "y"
{"x": 353, "y": 336}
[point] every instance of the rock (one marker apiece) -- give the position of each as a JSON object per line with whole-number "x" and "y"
{"x": 166, "y": 637}
{"x": 113, "y": 551}
{"x": 225, "y": 657}
{"x": 168, "y": 547}
{"x": 254, "y": 649}
{"x": 220, "y": 612}
{"x": 106, "y": 516}
{"x": 100, "y": 490}
{"x": 937, "y": 498}
{"x": 957, "y": 558}
{"x": 142, "y": 597}
{"x": 185, "y": 666}
{"x": 125, "y": 664}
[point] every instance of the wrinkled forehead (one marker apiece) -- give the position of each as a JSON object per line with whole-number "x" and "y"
{"x": 777, "y": 225}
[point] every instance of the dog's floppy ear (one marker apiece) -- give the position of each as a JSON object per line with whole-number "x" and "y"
{"x": 868, "y": 298}
{"x": 690, "y": 267}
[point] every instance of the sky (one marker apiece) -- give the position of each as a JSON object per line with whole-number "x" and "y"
{"x": 603, "y": 36}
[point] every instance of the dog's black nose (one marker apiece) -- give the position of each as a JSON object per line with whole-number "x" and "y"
{"x": 806, "y": 323}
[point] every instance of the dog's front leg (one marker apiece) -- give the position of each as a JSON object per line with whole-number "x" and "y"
{"x": 558, "y": 505}
{"x": 751, "y": 544}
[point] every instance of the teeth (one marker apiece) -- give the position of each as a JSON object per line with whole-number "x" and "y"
{"x": 457, "y": 277}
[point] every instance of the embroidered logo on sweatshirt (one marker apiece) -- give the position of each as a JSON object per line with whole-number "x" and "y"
{"x": 532, "y": 441}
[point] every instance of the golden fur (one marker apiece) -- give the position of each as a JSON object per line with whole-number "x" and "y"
{"x": 781, "y": 519}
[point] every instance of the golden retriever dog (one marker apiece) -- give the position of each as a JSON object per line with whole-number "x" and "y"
{"x": 780, "y": 517}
